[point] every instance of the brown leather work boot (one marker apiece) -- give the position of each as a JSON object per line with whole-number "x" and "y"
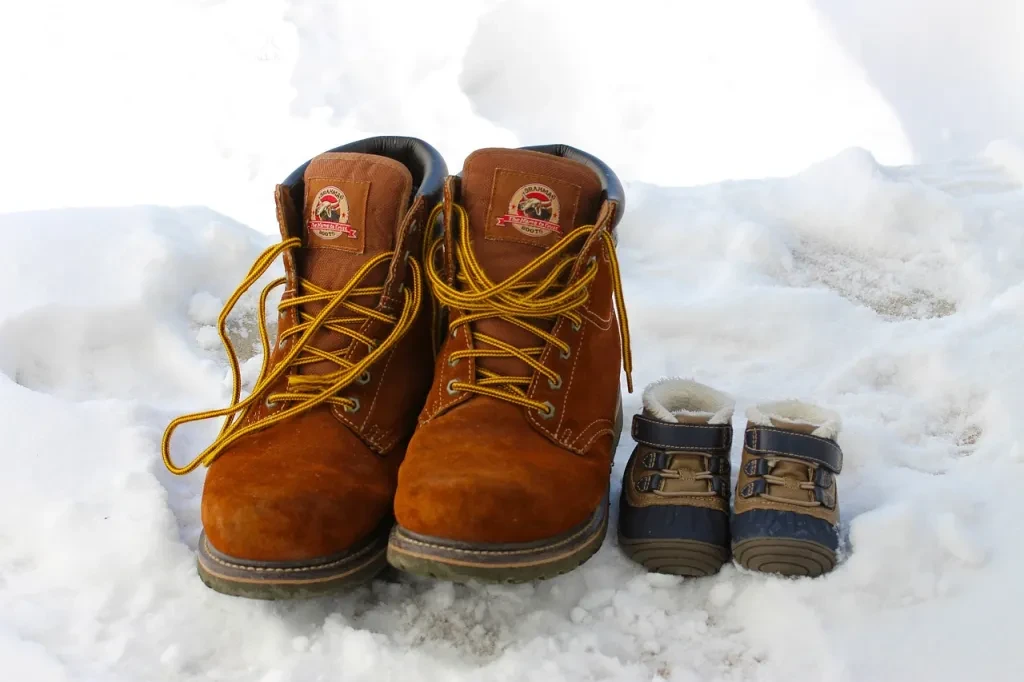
{"x": 298, "y": 497}
{"x": 506, "y": 478}
{"x": 674, "y": 507}
{"x": 786, "y": 515}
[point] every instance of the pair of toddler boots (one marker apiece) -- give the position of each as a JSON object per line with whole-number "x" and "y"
{"x": 674, "y": 512}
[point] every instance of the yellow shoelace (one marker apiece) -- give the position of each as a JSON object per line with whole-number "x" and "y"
{"x": 515, "y": 301}
{"x": 304, "y": 391}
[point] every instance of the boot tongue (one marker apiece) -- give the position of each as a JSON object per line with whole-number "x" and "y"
{"x": 795, "y": 471}
{"x": 689, "y": 466}
{"x": 519, "y": 204}
{"x": 351, "y": 211}
{"x": 352, "y": 208}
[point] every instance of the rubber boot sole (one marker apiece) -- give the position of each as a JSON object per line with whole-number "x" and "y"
{"x": 784, "y": 556}
{"x": 497, "y": 563}
{"x": 460, "y": 562}
{"x": 293, "y": 579}
{"x": 690, "y": 558}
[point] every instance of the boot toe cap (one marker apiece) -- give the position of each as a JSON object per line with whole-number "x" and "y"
{"x": 674, "y": 522}
{"x": 472, "y": 488}
{"x": 290, "y": 524}
{"x": 274, "y": 498}
{"x": 486, "y": 510}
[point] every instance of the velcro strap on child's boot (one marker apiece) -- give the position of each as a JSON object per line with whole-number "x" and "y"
{"x": 769, "y": 442}
{"x": 682, "y": 437}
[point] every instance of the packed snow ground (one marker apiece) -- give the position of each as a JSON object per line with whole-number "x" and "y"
{"x": 890, "y": 291}
{"x": 893, "y": 295}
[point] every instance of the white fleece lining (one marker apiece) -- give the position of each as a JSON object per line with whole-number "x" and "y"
{"x": 667, "y": 398}
{"x": 826, "y": 423}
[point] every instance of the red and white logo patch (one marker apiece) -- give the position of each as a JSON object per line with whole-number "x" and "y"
{"x": 533, "y": 211}
{"x": 330, "y": 216}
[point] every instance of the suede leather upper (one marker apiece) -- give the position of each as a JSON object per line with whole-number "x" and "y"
{"x": 320, "y": 482}
{"x": 483, "y": 470}
{"x": 308, "y": 488}
{"x": 479, "y": 473}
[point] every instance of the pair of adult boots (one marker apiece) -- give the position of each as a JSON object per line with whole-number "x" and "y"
{"x": 443, "y": 389}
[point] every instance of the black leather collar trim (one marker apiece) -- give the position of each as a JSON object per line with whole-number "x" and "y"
{"x": 767, "y": 441}
{"x": 666, "y": 436}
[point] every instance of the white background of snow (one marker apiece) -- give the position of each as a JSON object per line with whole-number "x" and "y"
{"x": 892, "y": 293}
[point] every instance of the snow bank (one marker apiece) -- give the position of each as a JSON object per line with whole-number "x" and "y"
{"x": 732, "y": 89}
{"x": 225, "y": 98}
{"x": 105, "y": 310}
{"x": 891, "y": 295}
{"x": 951, "y": 72}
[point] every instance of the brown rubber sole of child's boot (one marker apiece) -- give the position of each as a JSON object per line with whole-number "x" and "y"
{"x": 498, "y": 563}
{"x": 689, "y": 558}
{"x": 293, "y": 579}
{"x": 784, "y": 556}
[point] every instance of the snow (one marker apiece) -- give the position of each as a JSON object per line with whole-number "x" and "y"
{"x": 878, "y": 271}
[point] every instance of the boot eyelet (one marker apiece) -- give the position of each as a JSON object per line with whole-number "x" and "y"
{"x": 719, "y": 465}
{"x": 592, "y": 261}
{"x": 555, "y": 385}
{"x": 451, "y": 390}
{"x": 364, "y": 378}
{"x": 565, "y": 354}
{"x": 756, "y": 487}
{"x": 401, "y": 287}
{"x": 648, "y": 483}
{"x": 354, "y": 408}
{"x": 407, "y": 254}
{"x": 825, "y": 497}
{"x": 549, "y": 410}
{"x": 270, "y": 404}
{"x": 576, "y": 326}
{"x": 455, "y": 332}
{"x": 756, "y": 467}
{"x": 453, "y": 361}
